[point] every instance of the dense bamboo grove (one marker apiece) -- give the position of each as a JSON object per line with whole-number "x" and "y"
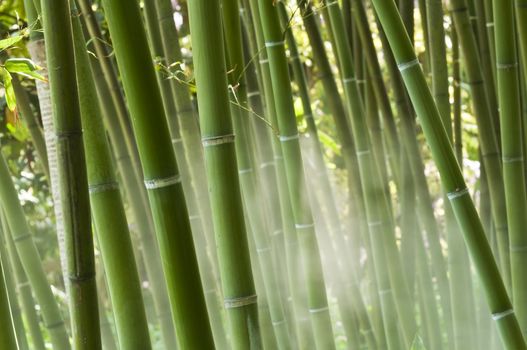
{"x": 263, "y": 174}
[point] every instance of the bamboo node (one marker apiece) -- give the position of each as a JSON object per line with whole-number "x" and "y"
{"x": 489, "y": 24}
{"x": 512, "y": 159}
{"x": 278, "y": 323}
{"x": 406, "y": 65}
{"x": 518, "y": 249}
{"x": 232, "y": 303}
{"x": 385, "y": 291}
{"x": 103, "y": 187}
{"x": 176, "y": 140}
{"x": 304, "y": 226}
{"x": 506, "y": 66}
{"x": 266, "y": 164}
{"x": 67, "y": 134}
{"x": 361, "y": 81}
{"x": 253, "y": 93}
{"x": 270, "y": 44}
{"x": 457, "y": 193}
{"x": 193, "y": 217}
{"x": 263, "y": 250}
{"x": 374, "y": 223}
{"x": 500, "y": 315}
{"x": 459, "y": 9}
{"x": 277, "y": 232}
{"x": 22, "y": 237}
{"x": 82, "y": 277}
{"x": 217, "y": 140}
{"x": 245, "y": 171}
{"x": 285, "y": 138}
{"x": 22, "y": 285}
{"x": 349, "y": 80}
{"x": 278, "y": 157}
{"x": 264, "y": 61}
{"x": 363, "y": 153}
{"x": 321, "y": 309}
{"x": 54, "y": 325}
{"x": 162, "y": 182}
{"x": 332, "y": 3}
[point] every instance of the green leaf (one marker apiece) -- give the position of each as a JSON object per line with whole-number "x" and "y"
{"x": 24, "y": 67}
{"x": 9, "y": 92}
{"x": 5, "y": 43}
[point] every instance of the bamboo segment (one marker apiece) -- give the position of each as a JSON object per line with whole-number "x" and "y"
{"x": 133, "y": 187}
{"x": 378, "y": 210}
{"x": 108, "y": 211}
{"x": 162, "y": 178}
{"x": 220, "y": 160}
{"x": 30, "y": 260}
{"x": 487, "y": 133}
{"x": 8, "y": 338}
{"x": 23, "y": 289}
{"x": 80, "y": 264}
{"x": 451, "y": 176}
{"x": 317, "y": 298}
{"x": 512, "y": 151}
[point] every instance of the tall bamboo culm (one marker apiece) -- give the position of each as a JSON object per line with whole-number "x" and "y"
{"x": 80, "y": 261}
{"x": 161, "y": 175}
{"x": 317, "y": 297}
{"x": 508, "y": 74}
{"x": 240, "y": 300}
{"x": 451, "y": 175}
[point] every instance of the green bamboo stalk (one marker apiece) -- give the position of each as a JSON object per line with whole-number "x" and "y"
{"x": 285, "y": 237}
{"x": 487, "y": 134}
{"x": 317, "y": 298}
{"x": 191, "y": 195}
{"x": 251, "y": 189}
{"x": 80, "y": 264}
{"x": 429, "y": 301}
{"x": 14, "y": 311}
{"x": 378, "y": 213}
{"x": 344, "y": 134}
{"x": 220, "y": 161}
{"x": 108, "y": 212}
{"x": 35, "y": 130}
{"x": 162, "y": 178}
{"x": 521, "y": 25}
{"x": 335, "y": 243}
{"x": 450, "y": 175}
{"x": 132, "y": 186}
{"x": 456, "y": 88}
{"x": 512, "y": 151}
{"x": 8, "y": 339}
{"x": 30, "y": 260}
{"x": 23, "y": 290}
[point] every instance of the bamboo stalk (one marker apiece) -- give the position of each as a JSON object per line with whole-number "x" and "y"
{"x": 30, "y": 260}
{"x": 450, "y": 175}
{"x": 378, "y": 210}
{"x": 13, "y": 313}
{"x": 108, "y": 212}
{"x": 23, "y": 289}
{"x": 140, "y": 209}
{"x": 162, "y": 178}
{"x": 512, "y": 151}
{"x": 8, "y": 338}
{"x": 487, "y": 134}
{"x": 220, "y": 161}
{"x": 285, "y": 237}
{"x": 317, "y": 298}
{"x": 80, "y": 264}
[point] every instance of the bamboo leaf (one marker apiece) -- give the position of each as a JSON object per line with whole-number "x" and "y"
{"x": 24, "y": 67}
{"x": 6, "y": 43}
{"x": 9, "y": 92}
